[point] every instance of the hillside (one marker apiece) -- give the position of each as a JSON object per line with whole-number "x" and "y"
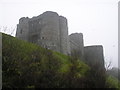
{"x": 28, "y": 65}
{"x": 25, "y": 63}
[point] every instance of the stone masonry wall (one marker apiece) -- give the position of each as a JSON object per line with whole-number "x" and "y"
{"x": 77, "y": 44}
{"x": 50, "y": 34}
{"x": 23, "y": 29}
{"x": 64, "y": 35}
{"x": 94, "y": 55}
{"x": 50, "y": 30}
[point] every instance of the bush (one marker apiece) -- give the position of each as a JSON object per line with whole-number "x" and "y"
{"x": 26, "y": 65}
{"x": 112, "y": 82}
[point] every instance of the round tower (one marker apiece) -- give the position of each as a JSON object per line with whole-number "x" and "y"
{"x": 49, "y": 36}
{"x": 77, "y": 45}
{"x": 64, "y": 42}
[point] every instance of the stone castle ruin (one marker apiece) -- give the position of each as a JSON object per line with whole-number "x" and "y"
{"x": 50, "y": 31}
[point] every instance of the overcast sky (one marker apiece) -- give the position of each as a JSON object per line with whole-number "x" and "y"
{"x": 96, "y": 19}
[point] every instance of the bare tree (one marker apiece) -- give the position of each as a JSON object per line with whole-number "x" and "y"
{"x": 108, "y": 65}
{"x": 9, "y": 31}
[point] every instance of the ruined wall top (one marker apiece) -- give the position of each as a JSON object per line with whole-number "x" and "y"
{"x": 63, "y": 17}
{"x": 76, "y": 34}
{"x": 23, "y": 19}
{"x": 48, "y": 13}
{"x": 94, "y": 46}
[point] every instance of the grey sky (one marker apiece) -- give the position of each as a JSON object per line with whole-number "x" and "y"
{"x": 96, "y": 19}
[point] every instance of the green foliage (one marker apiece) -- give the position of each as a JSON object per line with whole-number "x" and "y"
{"x": 75, "y": 77}
{"x": 113, "y": 82}
{"x": 65, "y": 63}
{"x": 96, "y": 77}
{"x": 28, "y": 65}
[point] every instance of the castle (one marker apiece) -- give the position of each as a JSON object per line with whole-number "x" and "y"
{"x": 50, "y": 31}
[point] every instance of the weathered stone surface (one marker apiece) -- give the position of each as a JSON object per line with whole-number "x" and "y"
{"x": 23, "y": 29}
{"x": 77, "y": 44}
{"x": 94, "y": 55}
{"x": 45, "y": 31}
{"x": 64, "y": 35}
{"x": 48, "y": 30}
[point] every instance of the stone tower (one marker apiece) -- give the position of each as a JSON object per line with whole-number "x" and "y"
{"x": 23, "y": 28}
{"x": 64, "y": 38}
{"x": 77, "y": 44}
{"x": 94, "y": 55}
{"x": 48, "y": 30}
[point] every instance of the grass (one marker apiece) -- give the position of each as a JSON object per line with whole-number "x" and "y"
{"x": 113, "y": 82}
{"x": 29, "y": 65}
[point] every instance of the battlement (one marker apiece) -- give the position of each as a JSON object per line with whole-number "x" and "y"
{"x": 23, "y": 19}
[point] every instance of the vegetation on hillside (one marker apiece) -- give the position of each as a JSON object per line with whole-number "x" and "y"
{"x": 27, "y": 65}
{"x": 113, "y": 82}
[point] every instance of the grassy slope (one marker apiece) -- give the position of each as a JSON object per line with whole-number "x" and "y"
{"x": 18, "y": 48}
{"x": 113, "y": 82}
{"x": 23, "y": 54}
{"x": 23, "y": 60}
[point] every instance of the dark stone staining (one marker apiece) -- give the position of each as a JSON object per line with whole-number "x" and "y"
{"x": 21, "y": 31}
